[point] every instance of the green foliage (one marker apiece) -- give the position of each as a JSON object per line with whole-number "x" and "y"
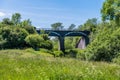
{"x": 55, "y": 42}
{"x": 25, "y": 65}
{"x": 69, "y": 42}
{"x": 106, "y": 45}
{"x": 13, "y": 33}
{"x": 81, "y": 54}
{"x": 58, "y": 53}
{"x": 7, "y": 21}
{"x": 57, "y": 26}
{"x": 16, "y": 18}
{"x": 43, "y": 50}
{"x": 117, "y": 59}
{"x": 30, "y": 29}
{"x": 13, "y": 37}
{"x": 71, "y": 53}
{"x": 45, "y": 36}
{"x": 72, "y": 27}
{"x": 110, "y": 11}
{"x": 47, "y": 45}
{"x": 37, "y": 41}
{"x": 26, "y": 23}
{"x": 89, "y": 25}
{"x": 34, "y": 40}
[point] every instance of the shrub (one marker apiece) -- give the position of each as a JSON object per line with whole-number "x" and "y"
{"x": 47, "y": 45}
{"x": 105, "y": 46}
{"x": 46, "y": 51}
{"x": 45, "y": 37}
{"x": 30, "y": 29}
{"x": 81, "y": 55}
{"x": 58, "y": 53}
{"x": 34, "y": 40}
{"x": 116, "y": 60}
{"x": 71, "y": 53}
{"x": 14, "y": 37}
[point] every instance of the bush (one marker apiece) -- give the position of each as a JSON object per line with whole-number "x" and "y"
{"x": 30, "y": 29}
{"x": 47, "y": 45}
{"x": 45, "y": 37}
{"x": 81, "y": 55}
{"x": 46, "y": 51}
{"x": 71, "y": 53}
{"x": 34, "y": 41}
{"x": 117, "y": 59}
{"x": 14, "y": 37}
{"x": 105, "y": 46}
{"x": 58, "y": 53}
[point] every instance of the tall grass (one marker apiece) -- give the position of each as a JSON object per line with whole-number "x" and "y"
{"x": 28, "y": 65}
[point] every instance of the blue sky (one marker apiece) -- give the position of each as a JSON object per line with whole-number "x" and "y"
{"x": 43, "y": 13}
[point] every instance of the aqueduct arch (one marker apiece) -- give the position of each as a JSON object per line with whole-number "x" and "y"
{"x": 61, "y": 34}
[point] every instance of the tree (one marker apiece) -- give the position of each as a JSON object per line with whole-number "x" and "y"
{"x": 30, "y": 29}
{"x": 14, "y": 37}
{"x": 45, "y": 37}
{"x": 57, "y": 26}
{"x": 7, "y": 21}
{"x": 47, "y": 45}
{"x": 111, "y": 11}
{"x": 37, "y": 41}
{"x": 90, "y": 25}
{"x": 26, "y": 23}
{"x": 71, "y": 27}
{"x": 105, "y": 46}
{"x": 34, "y": 40}
{"x": 16, "y": 18}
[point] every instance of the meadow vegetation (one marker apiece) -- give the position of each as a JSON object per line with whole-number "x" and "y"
{"x": 36, "y": 65}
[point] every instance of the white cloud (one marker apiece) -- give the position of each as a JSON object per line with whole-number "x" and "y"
{"x": 2, "y": 14}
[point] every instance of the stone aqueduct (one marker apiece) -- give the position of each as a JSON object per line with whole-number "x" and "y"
{"x": 61, "y": 34}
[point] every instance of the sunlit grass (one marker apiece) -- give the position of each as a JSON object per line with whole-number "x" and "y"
{"x": 34, "y": 65}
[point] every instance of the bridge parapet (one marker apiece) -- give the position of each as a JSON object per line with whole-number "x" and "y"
{"x": 63, "y": 31}
{"x": 50, "y": 29}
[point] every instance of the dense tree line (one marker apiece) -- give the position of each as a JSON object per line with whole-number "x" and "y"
{"x": 15, "y": 33}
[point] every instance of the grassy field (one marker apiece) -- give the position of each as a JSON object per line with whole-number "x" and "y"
{"x": 33, "y": 65}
